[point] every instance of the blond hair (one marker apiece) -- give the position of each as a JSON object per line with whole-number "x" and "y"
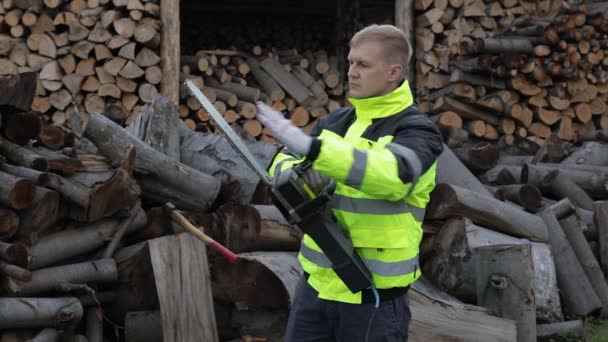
{"x": 396, "y": 44}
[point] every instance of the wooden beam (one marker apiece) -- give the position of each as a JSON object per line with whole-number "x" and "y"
{"x": 182, "y": 279}
{"x": 170, "y": 49}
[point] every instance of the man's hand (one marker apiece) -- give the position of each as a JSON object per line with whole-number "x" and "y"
{"x": 283, "y": 130}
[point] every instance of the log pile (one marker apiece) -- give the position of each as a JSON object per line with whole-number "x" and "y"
{"x": 522, "y": 232}
{"x": 513, "y": 69}
{"x": 90, "y": 56}
{"x": 305, "y": 85}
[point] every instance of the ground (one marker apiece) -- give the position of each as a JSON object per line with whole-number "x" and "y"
{"x": 596, "y": 331}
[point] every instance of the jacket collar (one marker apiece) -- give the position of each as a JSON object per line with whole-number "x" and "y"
{"x": 385, "y": 105}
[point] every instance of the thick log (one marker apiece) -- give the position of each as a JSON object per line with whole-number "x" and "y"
{"x": 157, "y": 126}
{"x": 558, "y": 184}
{"x": 22, "y": 156}
{"x": 600, "y": 217}
{"x": 444, "y": 266}
{"x": 184, "y": 288}
{"x": 225, "y": 161}
{"x": 18, "y": 90}
{"x": 464, "y": 110}
{"x": 572, "y": 228}
{"x": 449, "y": 200}
{"x": 110, "y": 191}
{"x": 591, "y": 153}
{"x": 505, "y": 284}
{"x": 39, "y": 312}
{"x": 137, "y": 286}
{"x": 523, "y": 194}
{"x": 593, "y": 183}
{"x": 437, "y": 316}
{"x": 578, "y": 294}
{"x": 16, "y": 273}
{"x": 546, "y": 292}
{"x": 451, "y": 170}
{"x": 149, "y": 161}
{"x": 46, "y": 209}
{"x": 270, "y": 86}
{"x": 65, "y": 187}
{"x": 9, "y": 223}
{"x": 478, "y": 157}
{"x": 94, "y": 325}
{"x": 15, "y": 192}
{"x": 64, "y": 245}
{"x": 276, "y": 272}
{"x": 287, "y": 81}
{"x": 15, "y": 254}
{"x": 143, "y": 326}
{"x": 44, "y": 280}
{"x": 57, "y": 161}
{"x": 21, "y": 127}
{"x": 560, "y": 330}
{"x": 46, "y": 335}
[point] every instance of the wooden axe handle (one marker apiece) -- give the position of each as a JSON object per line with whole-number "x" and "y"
{"x": 190, "y": 228}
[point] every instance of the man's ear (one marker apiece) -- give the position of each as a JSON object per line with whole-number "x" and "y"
{"x": 396, "y": 73}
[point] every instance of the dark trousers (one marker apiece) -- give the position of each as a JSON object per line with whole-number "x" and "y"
{"x": 317, "y": 320}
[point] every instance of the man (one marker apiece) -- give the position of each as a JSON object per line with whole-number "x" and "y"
{"x": 382, "y": 154}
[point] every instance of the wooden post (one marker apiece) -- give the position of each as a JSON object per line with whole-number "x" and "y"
{"x": 170, "y": 49}
{"x": 182, "y": 279}
{"x": 572, "y": 228}
{"x": 505, "y": 284}
{"x": 579, "y": 296}
{"x": 404, "y": 19}
{"x": 600, "y": 217}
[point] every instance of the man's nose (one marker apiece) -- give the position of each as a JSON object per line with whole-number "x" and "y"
{"x": 352, "y": 73}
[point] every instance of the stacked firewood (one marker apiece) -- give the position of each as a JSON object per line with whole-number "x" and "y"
{"x": 513, "y": 69}
{"x": 91, "y": 56}
{"x": 77, "y": 232}
{"x": 298, "y": 83}
{"x": 531, "y": 241}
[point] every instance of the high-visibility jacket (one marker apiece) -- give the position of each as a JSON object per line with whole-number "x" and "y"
{"x": 382, "y": 154}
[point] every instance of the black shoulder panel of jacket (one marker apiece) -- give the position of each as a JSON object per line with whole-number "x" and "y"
{"x": 413, "y": 129}
{"x": 337, "y": 121}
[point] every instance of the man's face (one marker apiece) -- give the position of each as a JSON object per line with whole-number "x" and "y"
{"x": 369, "y": 74}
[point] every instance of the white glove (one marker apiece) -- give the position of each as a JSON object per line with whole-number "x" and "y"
{"x": 283, "y": 130}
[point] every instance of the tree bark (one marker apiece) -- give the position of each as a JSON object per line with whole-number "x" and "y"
{"x": 478, "y": 157}
{"x": 572, "y": 229}
{"x": 150, "y": 161}
{"x": 45, "y": 280}
{"x": 214, "y": 155}
{"x": 505, "y": 284}
{"x": 554, "y": 331}
{"x": 15, "y": 254}
{"x": 46, "y": 335}
{"x": 600, "y": 217}
{"x": 143, "y": 326}
{"x": 21, "y": 127}
{"x": 579, "y": 296}
{"x": 94, "y": 325}
{"x": 451, "y": 170}
{"x": 42, "y": 214}
{"x": 449, "y": 200}
{"x": 291, "y": 84}
{"x": 22, "y": 156}
{"x": 18, "y": 90}
{"x": 275, "y": 272}
{"x": 157, "y": 127}
{"x": 524, "y": 194}
{"x": 15, "y": 192}
{"x": 39, "y": 312}
{"x": 591, "y": 153}
{"x": 64, "y": 245}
